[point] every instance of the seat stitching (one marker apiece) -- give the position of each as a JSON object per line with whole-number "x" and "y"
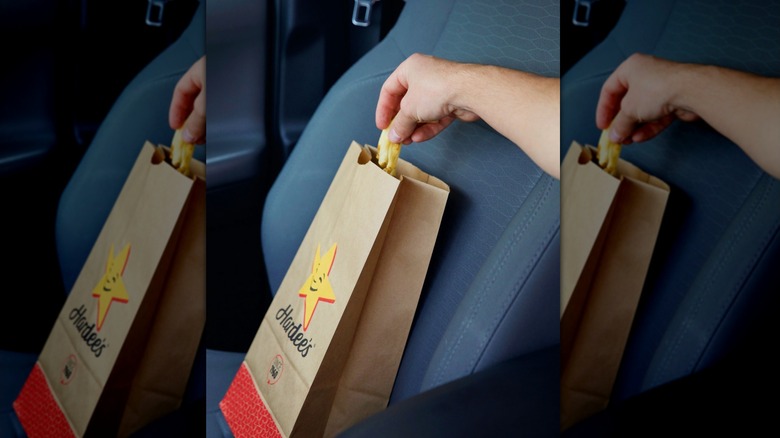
{"x": 464, "y": 326}
{"x": 739, "y": 285}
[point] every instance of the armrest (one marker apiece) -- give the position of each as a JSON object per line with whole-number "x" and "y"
{"x": 520, "y": 396}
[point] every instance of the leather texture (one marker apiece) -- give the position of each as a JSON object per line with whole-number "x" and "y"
{"x": 511, "y": 308}
{"x": 471, "y": 406}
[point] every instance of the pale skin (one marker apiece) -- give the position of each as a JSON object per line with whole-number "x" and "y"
{"x": 188, "y": 106}
{"x": 645, "y": 94}
{"x": 426, "y": 94}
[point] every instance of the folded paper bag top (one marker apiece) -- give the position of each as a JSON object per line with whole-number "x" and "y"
{"x": 328, "y": 349}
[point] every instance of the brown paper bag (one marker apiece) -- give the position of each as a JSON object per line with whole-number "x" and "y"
{"x": 366, "y": 266}
{"x": 609, "y": 228}
{"x": 121, "y": 350}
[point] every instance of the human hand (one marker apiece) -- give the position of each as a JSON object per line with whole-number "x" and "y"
{"x": 638, "y": 100}
{"x": 188, "y": 106}
{"x": 420, "y": 98}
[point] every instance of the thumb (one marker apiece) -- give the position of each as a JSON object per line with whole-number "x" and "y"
{"x": 621, "y": 127}
{"x": 194, "y": 129}
{"x": 401, "y": 128}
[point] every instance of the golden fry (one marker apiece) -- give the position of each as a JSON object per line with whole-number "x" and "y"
{"x": 608, "y": 153}
{"x": 387, "y": 153}
{"x": 181, "y": 153}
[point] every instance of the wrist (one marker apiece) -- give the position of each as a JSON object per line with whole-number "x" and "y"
{"x": 472, "y": 85}
{"x": 464, "y": 84}
{"x": 686, "y": 81}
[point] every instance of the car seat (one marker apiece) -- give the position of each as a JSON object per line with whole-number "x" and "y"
{"x": 704, "y": 318}
{"x": 491, "y": 295}
{"x": 139, "y": 114}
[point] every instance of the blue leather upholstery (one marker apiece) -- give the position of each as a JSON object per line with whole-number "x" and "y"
{"x": 489, "y": 296}
{"x": 449, "y": 410}
{"x": 714, "y": 271}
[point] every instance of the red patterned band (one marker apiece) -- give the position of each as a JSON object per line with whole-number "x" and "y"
{"x": 244, "y": 409}
{"x": 38, "y": 411}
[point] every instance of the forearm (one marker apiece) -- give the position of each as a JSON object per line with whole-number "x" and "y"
{"x": 523, "y": 107}
{"x": 743, "y": 107}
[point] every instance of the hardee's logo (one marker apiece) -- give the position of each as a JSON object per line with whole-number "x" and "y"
{"x": 317, "y": 287}
{"x": 111, "y": 287}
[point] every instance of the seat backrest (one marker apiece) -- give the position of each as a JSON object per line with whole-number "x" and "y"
{"x": 475, "y": 304}
{"x": 712, "y": 272}
{"x": 139, "y": 114}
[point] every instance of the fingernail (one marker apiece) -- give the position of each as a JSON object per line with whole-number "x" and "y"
{"x": 393, "y": 136}
{"x": 187, "y": 136}
{"x": 614, "y": 136}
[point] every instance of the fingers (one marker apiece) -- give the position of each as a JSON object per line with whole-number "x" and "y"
{"x": 413, "y": 112}
{"x": 393, "y": 91}
{"x": 402, "y": 128}
{"x": 622, "y": 127}
{"x": 427, "y": 131}
{"x": 389, "y": 107}
{"x": 651, "y": 129}
{"x": 189, "y": 97}
{"x": 181, "y": 105}
{"x": 612, "y": 93}
{"x": 194, "y": 129}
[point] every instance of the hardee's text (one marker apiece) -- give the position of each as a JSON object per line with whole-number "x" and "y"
{"x": 294, "y": 331}
{"x": 87, "y": 331}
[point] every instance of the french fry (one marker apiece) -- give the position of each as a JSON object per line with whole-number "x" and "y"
{"x": 181, "y": 153}
{"x": 176, "y": 149}
{"x": 387, "y": 153}
{"x": 608, "y": 153}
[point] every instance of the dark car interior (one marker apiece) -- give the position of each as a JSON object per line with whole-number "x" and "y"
{"x": 68, "y": 62}
{"x": 292, "y": 82}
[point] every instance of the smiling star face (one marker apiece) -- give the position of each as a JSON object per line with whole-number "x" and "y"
{"x": 111, "y": 287}
{"x": 317, "y": 287}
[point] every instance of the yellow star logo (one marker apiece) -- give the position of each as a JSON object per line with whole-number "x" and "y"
{"x": 317, "y": 287}
{"x": 111, "y": 288}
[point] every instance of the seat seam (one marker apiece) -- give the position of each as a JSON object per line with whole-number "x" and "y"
{"x": 735, "y": 292}
{"x": 516, "y": 290}
{"x": 487, "y": 285}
